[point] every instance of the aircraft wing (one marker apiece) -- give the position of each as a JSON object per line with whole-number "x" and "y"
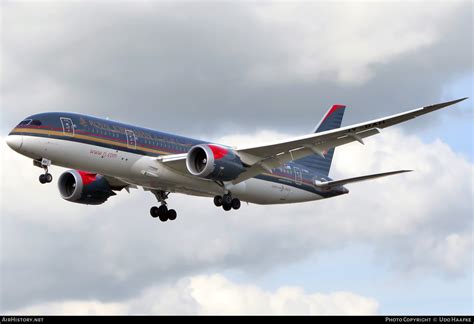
{"x": 266, "y": 157}
{"x": 263, "y": 158}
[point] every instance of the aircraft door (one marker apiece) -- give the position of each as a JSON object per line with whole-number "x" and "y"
{"x": 131, "y": 139}
{"x": 298, "y": 176}
{"x": 68, "y": 126}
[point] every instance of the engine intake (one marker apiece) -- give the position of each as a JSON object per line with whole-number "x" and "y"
{"x": 214, "y": 162}
{"x": 84, "y": 187}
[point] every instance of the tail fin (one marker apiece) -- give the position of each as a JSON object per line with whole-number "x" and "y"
{"x": 331, "y": 120}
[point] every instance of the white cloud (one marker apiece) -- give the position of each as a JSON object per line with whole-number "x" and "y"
{"x": 215, "y": 295}
{"x": 451, "y": 252}
{"x": 73, "y": 308}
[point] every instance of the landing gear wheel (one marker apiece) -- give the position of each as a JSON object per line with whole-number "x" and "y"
{"x": 171, "y": 214}
{"x": 48, "y": 177}
{"x": 235, "y": 203}
{"x": 163, "y": 213}
{"x": 45, "y": 178}
{"x": 42, "y": 179}
{"x": 227, "y": 207}
{"x": 226, "y": 200}
{"x": 162, "y": 210}
{"x": 218, "y": 201}
{"x": 154, "y": 211}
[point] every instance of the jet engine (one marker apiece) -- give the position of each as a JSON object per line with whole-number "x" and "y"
{"x": 214, "y": 162}
{"x": 84, "y": 187}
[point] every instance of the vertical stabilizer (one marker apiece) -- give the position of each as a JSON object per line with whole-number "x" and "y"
{"x": 331, "y": 120}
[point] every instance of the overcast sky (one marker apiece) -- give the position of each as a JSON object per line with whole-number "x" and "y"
{"x": 241, "y": 72}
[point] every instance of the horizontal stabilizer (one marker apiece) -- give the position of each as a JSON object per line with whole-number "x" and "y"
{"x": 336, "y": 183}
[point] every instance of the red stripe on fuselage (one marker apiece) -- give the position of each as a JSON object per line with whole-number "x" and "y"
{"x": 218, "y": 151}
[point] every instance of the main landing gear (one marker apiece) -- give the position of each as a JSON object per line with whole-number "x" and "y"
{"x": 44, "y": 164}
{"x": 227, "y": 202}
{"x": 162, "y": 212}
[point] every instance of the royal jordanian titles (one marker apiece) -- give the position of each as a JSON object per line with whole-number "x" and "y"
{"x": 107, "y": 156}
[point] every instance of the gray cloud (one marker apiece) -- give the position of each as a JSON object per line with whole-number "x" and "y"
{"x": 174, "y": 64}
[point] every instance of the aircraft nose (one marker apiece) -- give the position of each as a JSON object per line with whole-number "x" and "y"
{"x": 15, "y": 142}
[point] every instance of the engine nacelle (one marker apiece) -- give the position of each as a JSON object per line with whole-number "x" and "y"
{"x": 84, "y": 187}
{"x": 215, "y": 162}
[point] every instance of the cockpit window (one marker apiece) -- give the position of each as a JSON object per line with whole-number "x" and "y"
{"x": 25, "y": 122}
{"x": 35, "y": 122}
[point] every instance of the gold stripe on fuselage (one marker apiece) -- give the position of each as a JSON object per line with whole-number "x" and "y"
{"x": 85, "y": 137}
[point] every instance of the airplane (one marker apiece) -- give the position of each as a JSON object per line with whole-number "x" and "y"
{"x": 107, "y": 156}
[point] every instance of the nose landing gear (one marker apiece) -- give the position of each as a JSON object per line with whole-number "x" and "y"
{"x": 45, "y": 178}
{"x": 44, "y": 164}
{"x": 227, "y": 202}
